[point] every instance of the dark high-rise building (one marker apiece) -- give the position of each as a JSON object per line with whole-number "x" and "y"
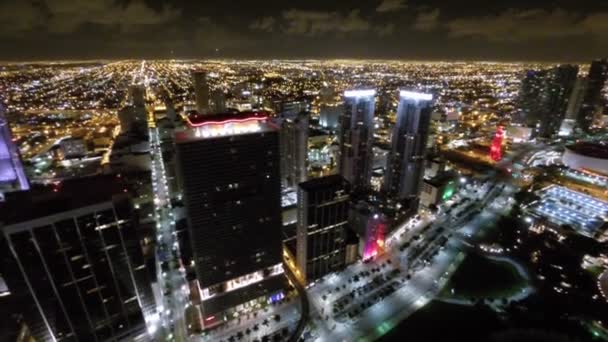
{"x": 137, "y": 95}
{"x": 559, "y": 85}
{"x": 12, "y": 175}
{"x": 294, "y": 149}
{"x": 133, "y": 120}
{"x": 577, "y": 96}
{"x": 406, "y": 161}
{"x": 371, "y": 226}
{"x": 322, "y": 226}
{"x": 329, "y": 116}
{"x": 201, "y": 91}
{"x": 290, "y": 109}
{"x": 76, "y": 259}
{"x": 356, "y": 137}
{"x": 327, "y": 94}
{"x": 218, "y": 99}
{"x": 529, "y": 92}
{"x": 228, "y": 170}
{"x": 592, "y": 100}
{"x": 544, "y": 98}
{"x": 575, "y": 103}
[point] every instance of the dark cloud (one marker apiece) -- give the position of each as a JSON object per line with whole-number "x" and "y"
{"x": 391, "y": 5}
{"x": 19, "y": 17}
{"x": 385, "y": 30}
{"x": 439, "y": 29}
{"x": 596, "y": 23}
{"x": 515, "y": 25}
{"x": 67, "y": 16}
{"x": 317, "y": 23}
{"x": 427, "y": 21}
{"x": 265, "y": 24}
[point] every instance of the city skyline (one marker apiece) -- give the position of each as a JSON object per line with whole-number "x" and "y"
{"x": 320, "y": 200}
{"x": 303, "y": 171}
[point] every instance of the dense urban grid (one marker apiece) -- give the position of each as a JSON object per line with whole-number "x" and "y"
{"x": 303, "y": 200}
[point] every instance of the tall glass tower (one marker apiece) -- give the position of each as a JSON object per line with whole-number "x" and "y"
{"x": 356, "y": 137}
{"x": 201, "y": 91}
{"x": 596, "y": 81}
{"x": 228, "y": 170}
{"x": 294, "y": 149}
{"x": 406, "y": 160}
{"x": 76, "y": 260}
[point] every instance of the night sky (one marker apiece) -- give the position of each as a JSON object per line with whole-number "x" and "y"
{"x": 532, "y": 30}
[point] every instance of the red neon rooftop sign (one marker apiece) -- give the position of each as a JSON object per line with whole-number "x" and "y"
{"x": 209, "y": 123}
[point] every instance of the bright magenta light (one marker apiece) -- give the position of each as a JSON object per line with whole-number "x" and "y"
{"x": 496, "y": 148}
{"x": 208, "y": 123}
{"x": 375, "y": 235}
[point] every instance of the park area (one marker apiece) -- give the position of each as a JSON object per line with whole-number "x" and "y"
{"x": 480, "y": 277}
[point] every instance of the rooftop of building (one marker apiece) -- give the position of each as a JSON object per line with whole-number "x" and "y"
{"x": 196, "y": 119}
{"x": 590, "y": 149}
{"x": 563, "y": 206}
{"x": 224, "y": 124}
{"x": 314, "y": 132}
{"x": 442, "y": 179}
{"x": 322, "y": 182}
{"x": 54, "y": 198}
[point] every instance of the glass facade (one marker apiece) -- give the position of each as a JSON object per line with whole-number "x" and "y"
{"x": 405, "y": 167}
{"x": 356, "y": 137}
{"x": 84, "y": 271}
{"x": 321, "y": 229}
{"x": 232, "y": 194}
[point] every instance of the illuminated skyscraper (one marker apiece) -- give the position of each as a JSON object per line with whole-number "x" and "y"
{"x": 201, "y": 91}
{"x": 12, "y": 175}
{"x": 596, "y": 81}
{"x": 228, "y": 170}
{"x": 76, "y": 259}
{"x": 405, "y": 167}
{"x": 356, "y": 137}
{"x": 294, "y": 148}
{"x": 321, "y": 229}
